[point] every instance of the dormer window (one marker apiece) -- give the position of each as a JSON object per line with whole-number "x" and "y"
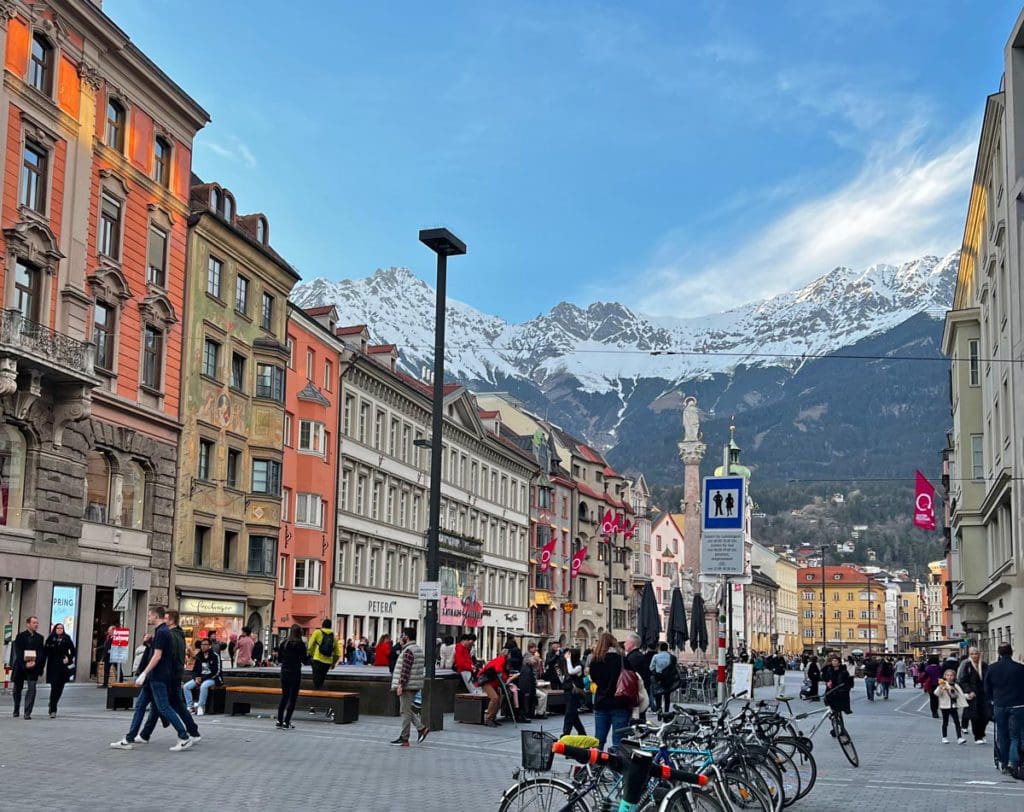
{"x": 216, "y": 201}
{"x": 261, "y": 231}
{"x": 115, "y": 125}
{"x": 162, "y": 161}
{"x": 229, "y": 207}
{"x": 40, "y": 67}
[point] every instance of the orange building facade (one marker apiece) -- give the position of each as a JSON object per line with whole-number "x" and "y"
{"x": 96, "y": 152}
{"x": 308, "y": 511}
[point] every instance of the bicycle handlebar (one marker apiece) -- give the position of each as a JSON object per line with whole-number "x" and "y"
{"x": 592, "y": 755}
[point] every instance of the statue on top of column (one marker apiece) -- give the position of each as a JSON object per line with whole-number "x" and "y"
{"x": 691, "y": 419}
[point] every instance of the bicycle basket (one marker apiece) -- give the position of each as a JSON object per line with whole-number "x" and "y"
{"x": 537, "y": 753}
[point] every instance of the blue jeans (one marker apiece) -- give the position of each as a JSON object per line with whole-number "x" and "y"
{"x": 869, "y": 684}
{"x": 605, "y": 720}
{"x": 176, "y": 699}
{"x": 1009, "y": 733}
{"x": 204, "y": 691}
{"x": 158, "y": 690}
{"x": 142, "y": 703}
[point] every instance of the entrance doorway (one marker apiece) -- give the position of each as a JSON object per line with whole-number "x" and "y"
{"x": 103, "y": 618}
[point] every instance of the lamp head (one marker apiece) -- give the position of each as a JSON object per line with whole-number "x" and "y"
{"x": 442, "y": 241}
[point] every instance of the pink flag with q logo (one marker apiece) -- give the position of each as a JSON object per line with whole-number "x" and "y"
{"x": 924, "y": 503}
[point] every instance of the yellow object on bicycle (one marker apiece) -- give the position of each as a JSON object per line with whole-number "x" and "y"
{"x": 584, "y": 742}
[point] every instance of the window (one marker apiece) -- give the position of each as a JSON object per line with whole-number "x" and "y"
{"x": 328, "y": 375}
{"x": 27, "y": 290}
{"x": 234, "y": 462}
{"x": 357, "y": 564}
{"x": 110, "y": 227}
{"x": 156, "y": 271}
{"x": 261, "y": 231}
{"x": 287, "y": 429}
{"x": 40, "y": 66}
{"x": 262, "y": 553}
{"x": 230, "y": 548}
{"x": 214, "y": 267}
{"x": 241, "y": 295}
{"x": 162, "y": 165}
{"x": 97, "y": 487}
{"x": 267, "y": 312}
{"x": 974, "y": 361}
{"x": 310, "y": 363}
{"x": 133, "y": 495}
{"x": 115, "y": 125}
{"x": 290, "y": 344}
{"x": 346, "y": 416}
{"x": 309, "y": 510}
{"x": 103, "y": 335}
{"x": 237, "y": 371}
{"x": 12, "y": 475}
{"x": 364, "y": 414}
{"x": 270, "y": 382}
{"x": 311, "y": 437}
{"x": 200, "y": 546}
{"x": 211, "y": 357}
{"x": 204, "y": 467}
{"x": 32, "y": 192}
{"x": 152, "y": 357}
{"x": 977, "y": 457}
{"x": 266, "y": 477}
{"x": 307, "y": 574}
{"x": 600, "y": 591}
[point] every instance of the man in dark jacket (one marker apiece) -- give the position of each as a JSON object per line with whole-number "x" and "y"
{"x": 1004, "y": 686}
{"x": 27, "y": 661}
{"x": 638, "y": 661}
{"x": 551, "y": 663}
{"x": 175, "y": 693}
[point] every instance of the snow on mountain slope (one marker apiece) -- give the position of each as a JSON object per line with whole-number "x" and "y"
{"x": 607, "y": 342}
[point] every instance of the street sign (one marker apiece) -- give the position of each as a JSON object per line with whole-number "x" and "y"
{"x": 721, "y": 553}
{"x": 430, "y": 590}
{"x": 119, "y": 644}
{"x": 723, "y": 503}
{"x": 123, "y": 590}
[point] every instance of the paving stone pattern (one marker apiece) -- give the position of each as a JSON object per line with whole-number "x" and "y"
{"x": 245, "y": 763}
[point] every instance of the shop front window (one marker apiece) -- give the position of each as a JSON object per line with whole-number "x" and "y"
{"x": 12, "y": 476}
{"x": 97, "y": 487}
{"x": 133, "y": 495}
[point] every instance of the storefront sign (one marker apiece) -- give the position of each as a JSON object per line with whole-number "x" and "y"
{"x": 381, "y": 607}
{"x": 64, "y": 609}
{"x": 120, "y": 644}
{"x": 454, "y": 611}
{"x": 204, "y": 606}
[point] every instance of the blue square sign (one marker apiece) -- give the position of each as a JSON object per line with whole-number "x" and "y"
{"x": 723, "y": 503}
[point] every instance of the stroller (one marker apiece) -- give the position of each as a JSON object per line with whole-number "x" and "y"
{"x": 807, "y": 691}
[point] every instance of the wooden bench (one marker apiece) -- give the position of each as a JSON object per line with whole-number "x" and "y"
{"x": 471, "y": 708}
{"x": 121, "y": 696}
{"x": 241, "y": 698}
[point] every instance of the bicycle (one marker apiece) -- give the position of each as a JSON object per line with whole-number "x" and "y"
{"x": 838, "y": 731}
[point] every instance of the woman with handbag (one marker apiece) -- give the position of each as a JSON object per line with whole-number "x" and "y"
{"x": 971, "y": 677}
{"x": 611, "y": 711}
{"x": 60, "y": 660}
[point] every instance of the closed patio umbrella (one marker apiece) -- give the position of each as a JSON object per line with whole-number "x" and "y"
{"x": 648, "y": 620}
{"x": 677, "y": 632}
{"x": 698, "y": 625}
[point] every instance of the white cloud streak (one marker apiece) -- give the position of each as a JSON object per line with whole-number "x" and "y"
{"x": 902, "y": 204}
{"x": 233, "y": 149}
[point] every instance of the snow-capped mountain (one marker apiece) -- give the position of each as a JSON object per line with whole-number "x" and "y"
{"x": 608, "y": 343}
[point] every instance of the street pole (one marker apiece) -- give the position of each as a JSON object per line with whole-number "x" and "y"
{"x": 443, "y": 243}
{"x": 608, "y": 556}
{"x": 725, "y": 603}
{"x": 824, "y": 639}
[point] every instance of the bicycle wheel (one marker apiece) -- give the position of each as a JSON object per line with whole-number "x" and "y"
{"x": 845, "y": 742}
{"x": 805, "y": 764}
{"x": 542, "y": 795}
{"x": 764, "y": 776}
{"x": 744, "y": 794}
{"x": 689, "y": 799}
{"x": 790, "y": 776}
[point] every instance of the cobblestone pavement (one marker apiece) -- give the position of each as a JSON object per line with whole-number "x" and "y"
{"x": 246, "y": 763}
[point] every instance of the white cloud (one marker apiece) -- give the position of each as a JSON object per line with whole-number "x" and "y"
{"x": 233, "y": 149}
{"x": 902, "y": 204}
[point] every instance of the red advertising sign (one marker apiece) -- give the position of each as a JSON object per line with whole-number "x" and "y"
{"x": 120, "y": 643}
{"x": 924, "y": 503}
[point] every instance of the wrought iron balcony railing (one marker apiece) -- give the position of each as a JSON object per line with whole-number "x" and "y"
{"x": 46, "y": 346}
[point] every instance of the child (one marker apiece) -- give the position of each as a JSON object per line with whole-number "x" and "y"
{"x": 952, "y": 700}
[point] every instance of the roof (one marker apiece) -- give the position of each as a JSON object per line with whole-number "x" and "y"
{"x": 588, "y": 453}
{"x": 424, "y": 387}
{"x": 609, "y": 471}
{"x": 607, "y": 498}
{"x": 381, "y": 348}
{"x": 833, "y": 575}
{"x": 351, "y": 330}
{"x": 320, "y": 310}
{"x": 488, "y": 414}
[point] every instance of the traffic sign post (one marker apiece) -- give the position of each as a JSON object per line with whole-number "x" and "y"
{"x": 430, "y": 590}
{"x": 723, "y": 503}
{"x": 119, "y": 644}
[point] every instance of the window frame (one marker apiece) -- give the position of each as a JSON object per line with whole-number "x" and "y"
{"x": 152, "y": 361}
{"x": 237, "y": 381}
{"x": 267, "y": 311}
{"x": 156, "y": 275}
{"x": 267, "y": 552}
{"x": 114, "y": 128}
{"x": 316, "y": 436}
{"x": 233, "y": 468}
{"x": 108, "y": 330}
{"x": 39, "y": 199}
{"x": 39, "y": 75}
{"x": 273, "y": 389}
{"x": 108, "y": 230}
{"x": 271, "y": 477}
{"x": 214, "y": 276}
{"x": 211, "y": 358}
{"x": 162, "y": 161}
{"x": 204, "y": 459}
{"x": 242, "y": 286}
{"x": 312, "y": 575}
{"x": 309, "y": 510}
{"x": 32, "y": 292}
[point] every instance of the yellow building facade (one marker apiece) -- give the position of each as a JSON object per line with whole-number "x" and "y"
{"x": 854, "y": 610}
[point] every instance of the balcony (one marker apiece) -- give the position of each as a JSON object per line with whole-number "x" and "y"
{"x": 57, "y": 356}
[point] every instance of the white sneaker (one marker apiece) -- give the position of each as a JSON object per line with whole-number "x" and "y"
{"x": 981, "y": 741}
{"x": 961, "y": 740}
{"x": 124, "y": 744}
{"x": 199, "y": 711}
{"x": 183, "y": 744}
{"x": 196, "y": 739}
{"x": 141, "y": 740}
{"x": 945, "y": 740}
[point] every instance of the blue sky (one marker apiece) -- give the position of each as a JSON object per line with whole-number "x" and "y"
{"x": 678, "y": 157}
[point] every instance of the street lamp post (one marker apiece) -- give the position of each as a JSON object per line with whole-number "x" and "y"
{"x": 824, "y": 639}
{"x": 445, "y": 244}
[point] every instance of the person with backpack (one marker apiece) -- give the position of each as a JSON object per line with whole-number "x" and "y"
{"x": 612, "y": 701}
{"x": 664, "y": 677}
{"x": 324, "y": 651}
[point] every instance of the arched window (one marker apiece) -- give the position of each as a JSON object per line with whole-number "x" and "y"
{"x": 97, "y": 487}
{"x": 216, "y": 201}
{"x": 40, "y": 66}
{"x": 229, "y": 207}
{"x": 133, "y": 495}
{"x": 115, "y": 125}
{"x": 162, "y": 161}
{"x": 12, "y": 476}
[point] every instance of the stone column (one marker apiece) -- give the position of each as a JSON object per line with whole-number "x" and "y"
{"x": 691, "y": 452}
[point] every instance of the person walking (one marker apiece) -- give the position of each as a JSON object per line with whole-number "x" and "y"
{"x": 205, "y": 674}
{"x": 292, "y": 655}
{"x": 103, "y": 657}
{"x": 244, "y": 646}
{"x": 664, "y": 677}
{"x": 571, "y": 674}
{"x": 777, "y": 664}
{"x": 152, "y": 681}
{"x": 60, "y": 659}
{"x": 405, "y": 682}
{"x": 952, "y": 701}
{"x": 930, "y": 680}
{"x": 814, "y": 677}
{"x": 899, "y": 671}
{"x": 611, "y": 713}
{"x": 640, "y": 663}
{"x": 175, "y": 692}
{"x": 883, "y": 677}
{"x": 870, "y": 673}
{"x": 27, "y": 660}
{"x": 971, "y": 677}
{"x": 1004, "y": 686}
{"x": 463, "y": 663}
{"x": 324, "y": 651}
{"x": 382, "y": 652}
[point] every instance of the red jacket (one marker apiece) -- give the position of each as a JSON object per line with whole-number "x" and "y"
{"x": 500, "y": 666}
{"x": 382, "y": 653}
{"x": 463, "y": 659}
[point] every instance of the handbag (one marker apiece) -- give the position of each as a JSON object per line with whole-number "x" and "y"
{"x": 627, "y": 687}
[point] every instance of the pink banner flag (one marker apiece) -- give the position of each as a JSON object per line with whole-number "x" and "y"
{"x": 924, "y": 503}
{"x": 546, "y": 552}
{"x": 608, "y": 524}
{"x": 628, "y": 530}
{"x": 577, "y": 562}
